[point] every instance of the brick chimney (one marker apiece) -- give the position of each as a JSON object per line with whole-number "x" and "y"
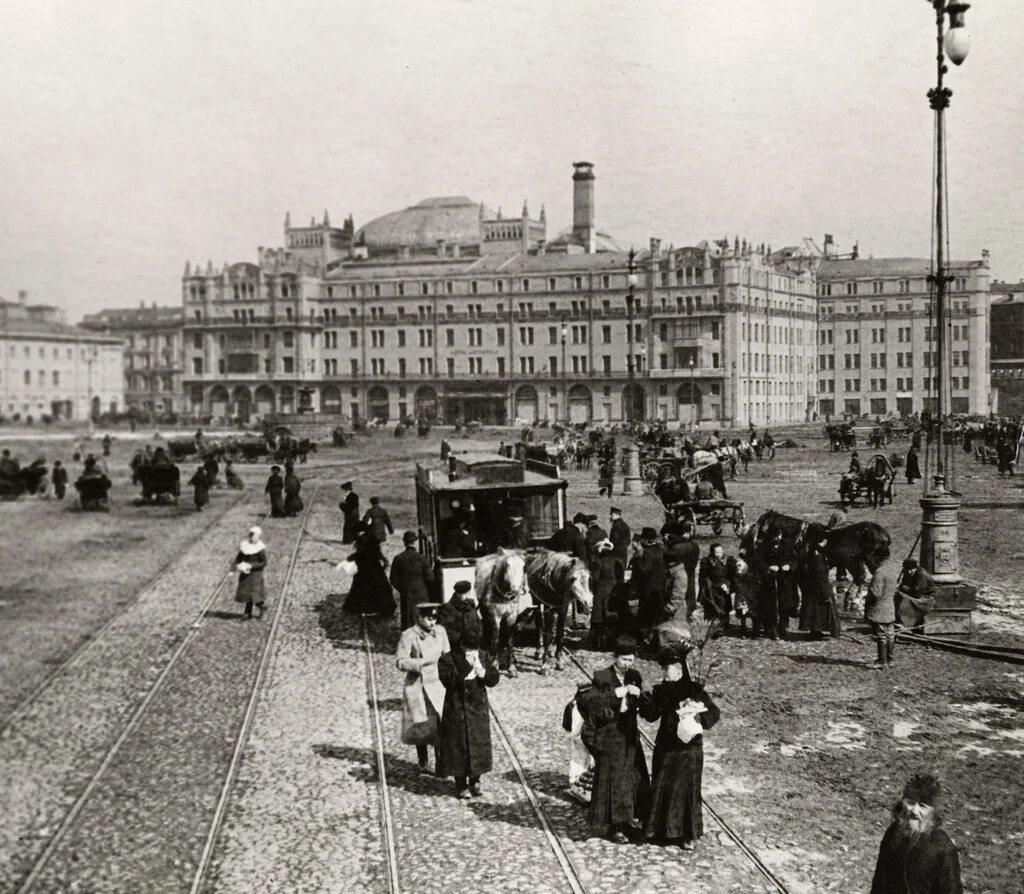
{"x": 583, "y": 217}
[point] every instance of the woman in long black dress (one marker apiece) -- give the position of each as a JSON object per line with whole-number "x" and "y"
{"x": 675, "y": 813}
{"x": 371, "y": 592}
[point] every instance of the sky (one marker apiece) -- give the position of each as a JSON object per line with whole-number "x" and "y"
{"x": 139, "y": 135}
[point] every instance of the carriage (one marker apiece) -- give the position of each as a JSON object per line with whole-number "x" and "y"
{"x": 840, "y": 437}
{"x": 715, "y": 514}
{"x": 181, "y": 448}
{"x": 486, "y": 490}
{"x": 248, "y": 450}
{"x": 22, "y": 481}
{"x": 94, "y": 493}
{"x": 874, "y": 482}
{"x": 160, "y": 483}
{"x": 655, "y": 468}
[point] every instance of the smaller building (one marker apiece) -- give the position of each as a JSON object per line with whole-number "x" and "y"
{"x": 1008, "y": 347}
{"x": 50, "y": 368}
{"x": 153, "y": 364}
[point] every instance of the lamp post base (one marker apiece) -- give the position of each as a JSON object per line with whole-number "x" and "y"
{"x": 940, "y": 556}
{"x": 632, "y": 483}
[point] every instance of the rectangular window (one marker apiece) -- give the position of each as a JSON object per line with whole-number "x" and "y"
{"x": 197, "y": 366}
{"x": 449, "y": 338}
{"x": 552, "y": 335}
{"x": 353, "y": 339}
{"x": 401, "y": 338}
{"x": 500, "y": 333}
{"x": 288, "y": 364}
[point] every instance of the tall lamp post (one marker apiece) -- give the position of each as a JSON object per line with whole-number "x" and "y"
{"x": 90, "y": 359}
{"x": 632, "y": 483}
{"x": 565, "y": 384}
{"x": 939, "y": 522}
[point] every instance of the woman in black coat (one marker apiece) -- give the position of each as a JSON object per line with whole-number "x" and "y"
{"x": 817, "y": 610}
{"x": 370, "y": 593}
{"x": 465, "y": 750}
{"x": 676, "y": 813}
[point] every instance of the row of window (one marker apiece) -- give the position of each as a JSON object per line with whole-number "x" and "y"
{"x": 878, "y": 286}
{"x": 878, "y": 335}
{"x": 826, "y": 386}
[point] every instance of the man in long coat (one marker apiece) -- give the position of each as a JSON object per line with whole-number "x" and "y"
{"x": 916, "y": 855}
{"x": 411, "y": 577}
{"x": 201, "y": 488}
{"x": 595, "y": 534}
{"x": 465, "y": 753}
{"x": 778, "y": 599}
{"x": 622, "y": 785}
{"x": 817, "y": 610}
{"x": 460, "y": 614}
{"x": 420, "y": 648}
{"x": 275, "y": 488}
{"x": 378, "y": 520}
{"x": 569, "y": 538}
{"x": 619, "y": 534}
{"x": 349, "y": 507}
{"x": 292, "y": 491}
{"x": 648, "y": 581}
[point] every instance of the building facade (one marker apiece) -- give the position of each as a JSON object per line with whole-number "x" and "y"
{"x": 153, "y": 356}
{"x": 876, "y": 337}
{"x": 49, "y": 368}
{"x": 1008, "y": 347}
{"x": 448, "y": 310}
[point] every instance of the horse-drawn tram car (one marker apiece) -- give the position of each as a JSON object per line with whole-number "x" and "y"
{"x": 503, "y": 502}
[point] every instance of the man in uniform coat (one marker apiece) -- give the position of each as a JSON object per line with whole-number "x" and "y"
{"x": 595, "y": 534}
{"x": 378, "y": 520}
{"x": 916, "y": 855}
{"x": 411, "y": 577}
{"x": 622, "y": 785}
{"x": 460, "y": 613}
{"x": 619, "y": 534}
{"x": 275, "y": 488}
{"x": 349, "y": 507}
{"x": 570, "y": 537}
{"x": 648, "y": 581}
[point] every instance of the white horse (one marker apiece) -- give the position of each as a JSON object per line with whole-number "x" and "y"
{"x": 503, "y": 593}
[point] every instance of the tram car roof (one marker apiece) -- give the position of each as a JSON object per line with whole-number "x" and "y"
{"x": 483, "y": 471}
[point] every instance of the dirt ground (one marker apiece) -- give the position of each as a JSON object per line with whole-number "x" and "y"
{"x": 814, "y": 746}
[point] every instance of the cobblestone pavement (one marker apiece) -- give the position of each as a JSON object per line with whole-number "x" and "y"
{"x": 47, "y": 757}
{"x": 146, "y": 822}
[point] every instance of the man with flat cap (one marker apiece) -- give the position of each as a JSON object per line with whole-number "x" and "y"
{"x": 460, "y": 613}
{"x": 917, "y": 856}
{"x": 275, "y": 489}
{"x": 569, "y": 538}
{"x": 349, "y": 507}
{"x": 420, "y": 647}
{"x": 378, "y": 520}
{"x": 411, "y": 577}
{"x": 619, "y": 534}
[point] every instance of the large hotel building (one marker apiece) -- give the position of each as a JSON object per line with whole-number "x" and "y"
{"x": 451, "y": 311}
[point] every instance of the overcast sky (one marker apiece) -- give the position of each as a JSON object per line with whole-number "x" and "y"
{"x": 137, "y": 135}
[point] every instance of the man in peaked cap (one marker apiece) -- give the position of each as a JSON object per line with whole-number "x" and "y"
{"x": 412, "y": 577}
{"x": 917, "y": 856}
{"x": 570, "y": 537}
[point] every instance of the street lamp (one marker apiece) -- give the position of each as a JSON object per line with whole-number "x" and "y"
{"x": 693, "y": 403}
{"x": 90, "y": 359}
{"x": 631, "y": 281}
{"x": 940, "y": 525}
{"x": 565, "y": 386}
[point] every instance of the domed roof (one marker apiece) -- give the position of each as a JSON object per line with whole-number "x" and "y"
{"x": 451, "y": 218}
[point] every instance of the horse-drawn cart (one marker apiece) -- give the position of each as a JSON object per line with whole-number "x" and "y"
{"x": 874, "y": 481}
{"x": 713, "y": 513}
{"x": 160, "y": 483}
{"x": 486, "y": 491}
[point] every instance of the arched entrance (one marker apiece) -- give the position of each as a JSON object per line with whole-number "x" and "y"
{"x": 425, "y": 403}
{"x": 634, "y": 403}
{"x": 581, "y": 404}
{"x": 689, "y": 397}
{"x": 527, "y": 404}
{"x": 265, "y": 400}
{"x": 241, "y": 398}
{"x": 218, "y": 401}
{"x": 330, "y": 400}
{"x": 378, "y": 403}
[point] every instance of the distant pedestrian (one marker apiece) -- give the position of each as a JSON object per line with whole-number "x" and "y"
{"x": 370, "y": 593}
{"x": 59, "y": 477}
{"x": 685, "y": 710}
{"x": 231, "y": 477}
{"x": 606, "y": 478}
{"x": 250, "y": 562}
{"x": 378, "y": 520}
{"x": 917, "y": 856}
{"x": 420, "y": 648}
{"x": 106, "y": 442}
{"x": 621, "y": 790}
{"x": 466, "y": 672}
{"x": 292, "y": 492}
{"x": 880, "y": 608}
{"x": 212, "y": 468}
{"x": 201, "y": 488}
{"x": 913, "y": 469}
{"x": 412, "y": 577}
{"x": 349, "y": 507}
{"x": 275, "y": 489}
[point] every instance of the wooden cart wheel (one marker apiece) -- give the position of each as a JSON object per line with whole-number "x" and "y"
{"x": 649, "y": 471}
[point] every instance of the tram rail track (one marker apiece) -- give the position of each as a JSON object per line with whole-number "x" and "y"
{"x": 68, "y": 822}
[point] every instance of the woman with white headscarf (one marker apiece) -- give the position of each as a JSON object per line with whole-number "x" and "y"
{"x": 250, "y": 562}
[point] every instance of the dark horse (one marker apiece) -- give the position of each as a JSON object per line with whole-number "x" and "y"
{"x": 554, "y": 580}
{"x": 852, "y": 547}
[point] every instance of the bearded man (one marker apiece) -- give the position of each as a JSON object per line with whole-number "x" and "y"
{"x": 917, "y": 856}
